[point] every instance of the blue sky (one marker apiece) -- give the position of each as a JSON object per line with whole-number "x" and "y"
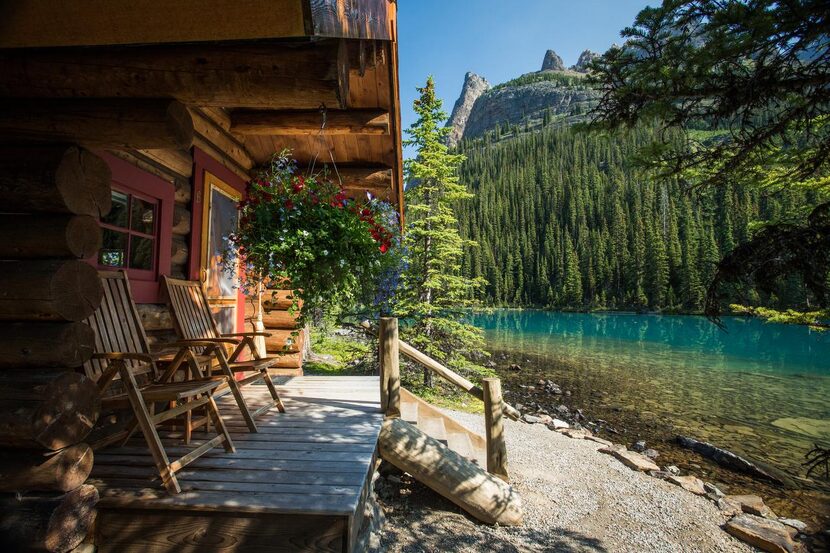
{"x": 498, "y": 39}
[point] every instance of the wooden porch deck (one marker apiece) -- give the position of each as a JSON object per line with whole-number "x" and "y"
{"x": 298, "y": 485}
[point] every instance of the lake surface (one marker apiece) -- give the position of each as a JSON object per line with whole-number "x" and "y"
{"x": 756, "y": 388}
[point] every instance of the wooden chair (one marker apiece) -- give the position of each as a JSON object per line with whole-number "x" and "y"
{"x": 122, "y": 354}
{"x": 195, "y": 325}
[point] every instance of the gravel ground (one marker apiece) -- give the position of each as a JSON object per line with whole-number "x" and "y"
{"x": 575, "y": 500}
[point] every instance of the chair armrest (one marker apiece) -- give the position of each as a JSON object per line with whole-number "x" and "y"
{"x": 246, "y": 334}
{"x": 114, "y": 355}
{"x": 203, "y": 342}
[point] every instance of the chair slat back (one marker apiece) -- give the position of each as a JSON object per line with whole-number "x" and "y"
{"x": 190, "y": 309}
{"x": 117, "y": 326}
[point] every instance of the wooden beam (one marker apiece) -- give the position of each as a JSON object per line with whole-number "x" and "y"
{"x": 309, "y": 122}
{"x": 38, "y": 345}
{"x": 482, "y": 495}
{"x": 274, "y": 76}
{"x": 49, "y": 290}
{"x": 222, "y": 146}
{"x": 357, "y": 180}
{"x": 55, "y": 179}
{"x": 120, "y": 123}
{"x": 34, "y": 470}
{"x": 50, "y": 409}
{"x": 57, "y": 235}
{"x": 45, "y": 522}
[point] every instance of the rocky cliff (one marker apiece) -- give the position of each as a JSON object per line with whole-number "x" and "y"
{"x": 552, "y": 95}
{"x": 473, "y": 87}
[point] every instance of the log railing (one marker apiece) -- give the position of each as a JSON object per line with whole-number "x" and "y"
{"x": 390, "y": 346}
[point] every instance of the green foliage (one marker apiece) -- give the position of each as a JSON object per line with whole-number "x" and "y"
{"x": 570, "y": 80}
{"x": 563, "y": 220}
{"x": 746, "y": 85}
{"x": 818, "y": 320}
{"x": 305, "y": 231}
{"x": 347, "y": 354}
{"x": 433, "y": 293}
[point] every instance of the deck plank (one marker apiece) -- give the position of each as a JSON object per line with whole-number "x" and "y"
{"x": 312, "y": 460}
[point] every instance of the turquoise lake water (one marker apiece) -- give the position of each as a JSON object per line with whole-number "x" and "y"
{"x": 758, "y": 388}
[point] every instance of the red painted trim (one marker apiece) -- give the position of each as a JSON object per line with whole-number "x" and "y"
{"x": 129, "y": 178}
{"x": 203, "y": 162}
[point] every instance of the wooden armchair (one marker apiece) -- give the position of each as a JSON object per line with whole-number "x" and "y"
{"x": 195, "y": 326}
{"x": 123, "y": 357}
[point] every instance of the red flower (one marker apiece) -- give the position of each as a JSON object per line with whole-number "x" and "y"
{"x": 289, "y": 204}
{"x": 299, "y": 185}
{"x": 314, "y": 199}
{"x": 366, "y": 212}
{"x": 384, "y": 247}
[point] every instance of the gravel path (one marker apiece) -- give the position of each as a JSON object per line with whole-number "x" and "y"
{"x": 575, "y": 500}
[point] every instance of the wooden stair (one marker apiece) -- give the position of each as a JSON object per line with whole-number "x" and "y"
{"x": 443, "y": 428}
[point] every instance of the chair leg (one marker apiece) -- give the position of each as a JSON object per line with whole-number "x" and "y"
{"x": 213, "y": 412}
{"x": 237, "y": 394}
{"x": 274, "y": 395}
{"x": 188, "y": 427}
{"x": 145, "y": 421}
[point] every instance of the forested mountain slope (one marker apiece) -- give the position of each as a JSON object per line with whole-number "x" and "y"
{"x": 562, "y": 220}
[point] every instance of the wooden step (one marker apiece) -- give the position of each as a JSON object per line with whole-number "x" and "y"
{"x": 409, "y": 412}
{"x": 434, "y": 428}
{"x": 460, "y": 443}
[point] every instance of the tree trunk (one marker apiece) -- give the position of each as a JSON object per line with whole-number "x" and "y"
{"x": 46, "y": 522}
{"x": 48, "y": 290}
{"x": 77, "y": 236}
{"x": 49, "y": 409}
{"x": 33, "y": 470}
{"x": 55, "y": 179}
{"x": 45, "y": 344}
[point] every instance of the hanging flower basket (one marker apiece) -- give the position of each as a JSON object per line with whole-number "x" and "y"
{"x": 304, "y": 230}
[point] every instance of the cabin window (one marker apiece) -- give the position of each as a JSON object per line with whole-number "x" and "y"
{"x": 137, "y": 232}
{"x": 130, "y": 233}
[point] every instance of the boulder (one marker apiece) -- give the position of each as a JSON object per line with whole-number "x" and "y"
{"x": 651, "y": 453}
{"x": 794, "y": 523}
{"x": 713, "y": 490}
{"x": 766, "y": 535}
{"x": 516, "y": 367}
{"x": 575, "y": 433}
{"x": 631, "y": 459}
{"x": 557, "y": 424}
{"x": 728, "y": 459}
{"x": 688, "y": 483}
{"x": 752, "y": 504}
{"x": 639, "y": 446}
{"x": 531, "y": 419}
{"x": 671, "y": 469}
{"x": 602, "y": 441}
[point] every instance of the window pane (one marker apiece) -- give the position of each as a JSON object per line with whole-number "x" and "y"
{"x": 141, "y": 253}
{"x": 144, "y": 216}
{"x": 118, "y": 215}
{"x": 113, "y": 250}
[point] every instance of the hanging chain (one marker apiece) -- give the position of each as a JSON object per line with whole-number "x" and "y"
{"x": 321, "y": 140}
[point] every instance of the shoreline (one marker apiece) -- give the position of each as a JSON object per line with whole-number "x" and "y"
{"x": 588, "y": 404}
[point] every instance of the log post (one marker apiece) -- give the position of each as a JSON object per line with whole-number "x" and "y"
{"x": 120, "y": 123}
{"x": 77, "y": 236}
{"x": 390, "y": 371}
{"x": 33, "y": 470}
{"x": 49, "y": 409}
{"x": 48, "y": 290}
{"x": 45, "y": 344}
{"x": 54, "y": 179}
{"x": 47, "y": 522}
{"x": 494, "y": 429}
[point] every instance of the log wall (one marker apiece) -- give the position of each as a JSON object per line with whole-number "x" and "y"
{"x": 51, "y": 196}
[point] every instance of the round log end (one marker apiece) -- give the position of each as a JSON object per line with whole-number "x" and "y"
{"x": 70, "y": 408}
{"x": 83, "y": 236}
{"x": 83, "y": 180}
{"x": 77, "y": 289}
{"x": 180, "y": 125}
{"x": 72, "y": 467}
{"x": 72, "y": 519}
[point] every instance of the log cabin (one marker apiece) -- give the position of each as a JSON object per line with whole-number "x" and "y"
{"x": 128, "y": 130}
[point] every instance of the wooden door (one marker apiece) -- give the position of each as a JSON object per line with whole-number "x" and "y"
{"x": 219, "y": 218}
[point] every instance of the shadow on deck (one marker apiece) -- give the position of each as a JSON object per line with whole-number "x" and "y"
{"x": 299, "y": 484}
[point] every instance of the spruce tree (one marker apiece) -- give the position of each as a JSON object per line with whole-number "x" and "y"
{"x": 433, "y": 292}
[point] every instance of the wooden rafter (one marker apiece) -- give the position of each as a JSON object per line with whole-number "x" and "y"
{"x": 305, "y": 122}
{"x": 273, "y": 76}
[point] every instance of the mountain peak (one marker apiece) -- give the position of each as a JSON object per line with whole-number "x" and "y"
{"x": 473, "y": 87}
{"x": 585, "y": 58}
{"x": 552, "y": 62}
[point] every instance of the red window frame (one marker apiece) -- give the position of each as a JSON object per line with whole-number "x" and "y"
{"x": 129, "y": 179}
